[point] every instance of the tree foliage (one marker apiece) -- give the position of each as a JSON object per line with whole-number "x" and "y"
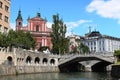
{"x": 3, "y": 40}
{"x": 117, "y": 53}
{"x": 83, "y": 48}
{"x": 17, "y": 39}
{"x": 60, "y": 43}
{"x": 74, "y": 50}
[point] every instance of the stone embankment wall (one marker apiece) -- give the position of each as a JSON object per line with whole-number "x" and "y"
{"x": 36, "y": 69}
{"x": 21, "y": 61}
{"x": 7, "y": 70}
{"x": 13, "y": 70}
{"x": 115, "y": 72}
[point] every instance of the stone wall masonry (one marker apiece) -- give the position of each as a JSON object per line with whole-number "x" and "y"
{"x": 23, "y": 61}
{"x": 7, "y": 70}
{"x": 36, "y": 69}
{"x": 13, "y": 70}
{"x": 115, "y": 72}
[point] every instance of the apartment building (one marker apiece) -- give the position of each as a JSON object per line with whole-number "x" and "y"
{"x": 4, "y": 15}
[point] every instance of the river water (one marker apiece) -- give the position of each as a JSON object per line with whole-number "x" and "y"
{"x": 61, "y": 76}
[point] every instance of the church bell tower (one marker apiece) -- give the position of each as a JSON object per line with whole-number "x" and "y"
{"x": 19, "y": 21}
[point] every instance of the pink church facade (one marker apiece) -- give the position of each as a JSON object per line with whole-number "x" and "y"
{"x": 37, "y": 26}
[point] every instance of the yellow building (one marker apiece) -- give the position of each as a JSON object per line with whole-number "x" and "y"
{"x": 4, "y": 15}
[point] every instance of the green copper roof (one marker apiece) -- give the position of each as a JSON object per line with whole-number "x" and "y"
{"x": 19, "y": 15}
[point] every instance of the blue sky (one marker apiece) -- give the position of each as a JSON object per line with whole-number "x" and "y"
{"x": 101, "y": 15}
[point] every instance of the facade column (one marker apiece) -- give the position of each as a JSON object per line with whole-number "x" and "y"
{"x": 97, "y": 46}
{"x": 42, "y": 42}
{"x": 42, "y": 27}
{"x": 45, "y": 42}
{"x": 45, "y": 27}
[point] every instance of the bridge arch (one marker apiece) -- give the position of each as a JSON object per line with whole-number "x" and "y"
{"x": 73, "y": 67}
{"x": 100, "y": 66}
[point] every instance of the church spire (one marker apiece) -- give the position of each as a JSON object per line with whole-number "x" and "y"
{"x": 19, "y": 15}
{"x": 19, "y": 21}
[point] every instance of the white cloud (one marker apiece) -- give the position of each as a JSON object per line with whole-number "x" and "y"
{"x": 49, "y": 24}
{"x": 105, "y": 8}
{"x": 12, "y": 25}
{"x": 74, "y": 24}
{"x": 71, "y": 25}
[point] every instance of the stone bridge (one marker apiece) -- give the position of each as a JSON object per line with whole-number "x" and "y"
{"x": 73, "y": 62}
{"x": 28, "y": 61}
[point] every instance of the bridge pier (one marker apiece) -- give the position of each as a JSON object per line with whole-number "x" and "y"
{"x": 88, "y": 68}
{"x": 88, "y": 65}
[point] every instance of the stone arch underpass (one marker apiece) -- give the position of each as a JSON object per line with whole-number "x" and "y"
{"x": 73, "y": 64}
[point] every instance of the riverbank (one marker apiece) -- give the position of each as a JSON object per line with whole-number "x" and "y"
{"x": 13, "y": 70}
{"x": 7, "y": 70}
{"x": 62, "y": 76}
{"x": 115, "y": 72}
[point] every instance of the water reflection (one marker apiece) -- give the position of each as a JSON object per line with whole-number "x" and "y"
{"x": 61, "y": 76}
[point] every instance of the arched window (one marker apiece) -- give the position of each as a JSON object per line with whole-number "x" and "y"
{"x": 45, "y": 60}
{"x": 19, "y": 23}
{"x": 28, "y": 60}
{"x": 37, "y": 60}
{"x": 9, "y": 59}
{"x": 37, "y": 28}
{"x": 52, "y": 61}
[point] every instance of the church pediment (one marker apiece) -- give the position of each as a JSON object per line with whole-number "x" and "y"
{"x": 37, "y": 19}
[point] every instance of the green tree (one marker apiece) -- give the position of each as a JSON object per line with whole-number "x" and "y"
{"x": 60, "y": 43}
{"x": 43, "y": 48}
{"x": 3, "y": 40}
{"x": 20, "y": 39}
{"x": 11, "y": 38}
{"x": 75, "y": 50}
{"x": 30, "y": 40}
{"x": 25, "y": 40}
{"x": 83, "y": 48}
{"x": 117, "y": 54}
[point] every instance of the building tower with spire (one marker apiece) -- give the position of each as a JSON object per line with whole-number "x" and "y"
{"x": 19, "y": 21}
